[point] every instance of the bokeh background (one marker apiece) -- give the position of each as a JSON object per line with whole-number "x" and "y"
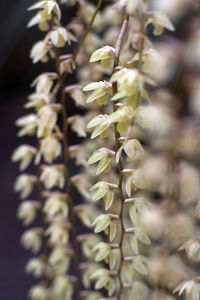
{"x": 16, "y": 75}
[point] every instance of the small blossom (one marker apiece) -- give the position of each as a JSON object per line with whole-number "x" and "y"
{"x": 23, "y": 153}
{"x": 59, "y": 257}
{"x": 39, "y": 292}
{"x": 53, "y": 176}
{"x": 36, "y": 266}
{"x": 42, "y": 23}
{"x": 60, "y": 35}
{"x": 191, "y": 288}
{"x": 58, "y": 234}
{"x": 24, "y": 185}
{"x": 192, "y": 248}
{"x": 27, "y": 211}
{"x": 78, "y": 125}
{"x": 47, "y": 9}
{"x": 79, "y": 154}
{"x": 28, "y": 124}
{"x": 103, "y": 54}
{"x": 160, "y": 21}
{"x": 37, "y": 100}
{"x": 100, "y": 89}
{"x": 44, "y": 82}
{"x": 50, "y": 148}
{"x": 47, "y": 120}
{"x": 62, "y": 287}
{"x": 55, "y": 205}
{"x": 39, "y": 52}
{"x": 31, "y": 239}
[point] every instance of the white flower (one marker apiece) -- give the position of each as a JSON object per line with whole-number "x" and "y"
{"x": 79, "y": 154}
{"x": 192, "y": 248}
{"x": 60, "y": 258}
{"x": 160, "y": 21}
{"x": 53, "y": 176}
{"x": 24, "y": 185}
{"x": 78, "y": 125}
{"x": 39, "y": 292}
{"x": 63, "y": 287}
{"x": 28, "y": 124}
{"x": 44, "y": 82}
{"x": 40, "y": 21}
{"x": 56, "y": 205}
{"x": 58, "y": 234}
{"x": 99, "y": 91}
{"x": 191, "y": 288}
{"x": 37, "y": 100}
{"x": 60, "y": 35}
{"x": 23, "y": 153}
{"x": 47, "y": 120}
{"x": 27, "y": 211}
{"x": 36, "y": 266}
{"x": 47, "y": 9}
{"x": 50, "y": 148}
{"x": 103, "y": 54}
{"x": 39, "y": 52}
{"x": 31, "y": 239}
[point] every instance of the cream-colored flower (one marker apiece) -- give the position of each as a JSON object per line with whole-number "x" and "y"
{"x": 42, "y": 23}
{"x": 24, "y": 185}
{"x": 39, "y": 292}
{"x": 82, "y": 184}
{"x": 160, "y": 21}
{"x": 62, "y": 287}
{"x": 79, "y": 154}
{"x": 103, "y": 54}
{"x": 47, "y": 9}
{"x": 36, "y": 266}
{"x": 53, "y": 176}
{"x": 44, "y": 82}
{"x": 150, "y": 58}
{"x": 58, "y": 234}
{"x": 99, "y": 91}
{"x": 50, "y": 149}
{"x": 47, "y": 120}
{"x": 39, "y": 52}
{"x": 32, "y": 239}
{"x": 28, "y": 124}
{"x": 60, "y": 258}
{"x": 192, "y": 248}
{"x": 27, "y": 211}
{"x": 129, "y": 82}
{"x": 78, "y": 125}
{"x": 24, "y": 154}
{"x": 191, "y": 288}
{"x": 60, "y": 35}
{"x": 56, "y": 205}
{"x": 130, "y": 5}
{"x": 37, "y": 100}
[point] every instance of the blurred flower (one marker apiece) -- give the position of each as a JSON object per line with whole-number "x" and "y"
{"x": 27, "y": 211}
{"x": 23, "y": 153}
{"x": 24, "y": 184}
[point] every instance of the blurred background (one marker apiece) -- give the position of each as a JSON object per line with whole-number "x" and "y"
{"x": 182, "y": 58}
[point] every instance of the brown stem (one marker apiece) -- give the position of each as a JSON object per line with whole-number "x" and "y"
{"x": 65, "y": 127}
{"x": 117, "y": 146}
{"x": 42, "y": 215}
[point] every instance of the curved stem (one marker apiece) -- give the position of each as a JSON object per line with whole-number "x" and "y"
{"x": 117, "y": 146}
